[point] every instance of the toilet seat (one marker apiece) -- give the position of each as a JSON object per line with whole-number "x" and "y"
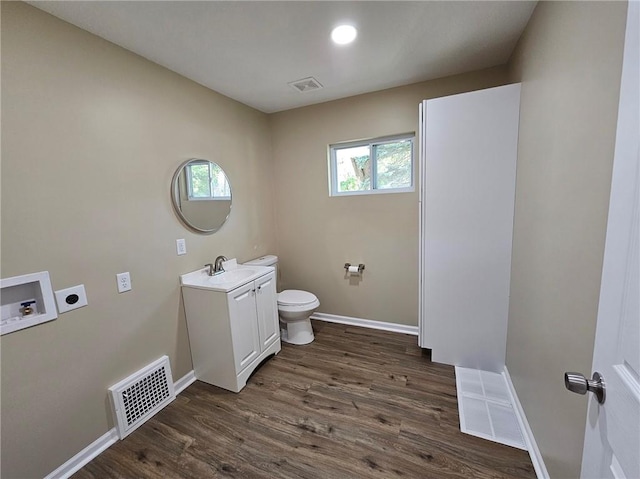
{"x": 296, "y": 297}
{"x": 292, "y": 302}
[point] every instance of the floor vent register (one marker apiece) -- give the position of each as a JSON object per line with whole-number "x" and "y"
{"x": 138, "y": 397}
{"x": 485, "y": 407}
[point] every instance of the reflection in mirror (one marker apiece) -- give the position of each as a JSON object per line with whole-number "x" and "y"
{"x": 201, "y": 195}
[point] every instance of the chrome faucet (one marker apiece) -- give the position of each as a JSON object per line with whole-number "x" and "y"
{"x": 218, "y": 265}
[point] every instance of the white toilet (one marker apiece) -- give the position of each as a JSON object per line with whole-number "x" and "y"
{"x": 294, "y": 308}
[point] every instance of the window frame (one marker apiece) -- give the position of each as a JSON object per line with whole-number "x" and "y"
{"x": 370, "y": 143}
{"x": 190, "y": 196}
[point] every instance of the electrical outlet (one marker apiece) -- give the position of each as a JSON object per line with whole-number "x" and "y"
{"x": 124, "y": 282}
{"x": 181, "y": 246}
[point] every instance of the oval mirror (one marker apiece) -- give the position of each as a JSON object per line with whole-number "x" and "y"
{"x": 201, "y": 195}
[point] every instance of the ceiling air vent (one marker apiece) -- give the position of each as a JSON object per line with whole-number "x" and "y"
{"x": 306, "y": 84}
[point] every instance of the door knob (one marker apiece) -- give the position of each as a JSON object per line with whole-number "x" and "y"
{"x": 577, "y": 383}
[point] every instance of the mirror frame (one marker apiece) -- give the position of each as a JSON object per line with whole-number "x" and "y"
{"x": 175, "y": 199}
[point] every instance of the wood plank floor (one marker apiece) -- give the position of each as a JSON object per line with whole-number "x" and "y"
{"x": 356, "y": 403}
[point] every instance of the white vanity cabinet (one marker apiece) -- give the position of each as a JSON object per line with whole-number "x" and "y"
{"x": 232, "y": 332}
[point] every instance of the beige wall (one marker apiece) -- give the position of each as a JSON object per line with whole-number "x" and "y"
{"x": 569, "y": 61}
{"x": 91, "y": 136}
{"x": 317, "y": 234}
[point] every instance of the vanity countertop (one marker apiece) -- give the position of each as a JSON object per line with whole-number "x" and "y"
{"x": 234, "y": 276}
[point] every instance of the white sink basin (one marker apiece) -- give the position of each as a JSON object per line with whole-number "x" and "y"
{"x": 225, "y": 282}
{"x": 231, "y": 277}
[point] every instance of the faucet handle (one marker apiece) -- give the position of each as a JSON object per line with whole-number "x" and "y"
{"x": 210, "y": 266}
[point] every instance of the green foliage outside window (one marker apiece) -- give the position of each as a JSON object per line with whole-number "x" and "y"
{"x": 207, "y": 180}
{"x": 394, "y": 165}
{"x": 200, "y": 185}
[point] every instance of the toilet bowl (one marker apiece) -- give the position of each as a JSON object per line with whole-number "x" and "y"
{"x": 294, "y": 308}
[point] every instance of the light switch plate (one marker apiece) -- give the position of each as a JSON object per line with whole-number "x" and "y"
{"x": 181, "y": 247}
{"x": 71, "y": 298}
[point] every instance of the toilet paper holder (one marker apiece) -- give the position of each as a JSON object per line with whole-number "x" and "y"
{"x": 360, "y": 267}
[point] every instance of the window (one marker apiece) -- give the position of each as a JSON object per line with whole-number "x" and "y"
{"x": 207, "y": 181}
{"x": 381, "y": 165}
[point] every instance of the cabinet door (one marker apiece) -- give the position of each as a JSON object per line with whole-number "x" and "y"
{"x": 267, "y": 306}
{"x": 243, "y": 318}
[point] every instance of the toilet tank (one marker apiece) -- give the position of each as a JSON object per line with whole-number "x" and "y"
{"x": 267, "y": 260}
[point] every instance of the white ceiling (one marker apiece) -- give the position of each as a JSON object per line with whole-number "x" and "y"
{"x": 249, "y": 51}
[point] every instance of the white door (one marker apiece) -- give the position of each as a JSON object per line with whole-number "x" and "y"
{"x": 612, "y": 436}
{"x": 267, "y": 305}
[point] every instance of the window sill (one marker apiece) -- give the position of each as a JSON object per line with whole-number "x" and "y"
{"x": 374, "y": 192}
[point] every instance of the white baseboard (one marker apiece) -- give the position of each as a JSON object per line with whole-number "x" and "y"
{"x": 532, "y": 446}
{"x": 184, "y": 382}
{"x": 366, "y": 323}
{"x": 94, "y": 449}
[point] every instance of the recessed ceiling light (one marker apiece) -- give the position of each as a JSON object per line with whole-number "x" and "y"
{"x": 344, "y": 34}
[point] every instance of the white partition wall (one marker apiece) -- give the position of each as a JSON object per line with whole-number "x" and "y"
{"x": 468, "y": 169}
